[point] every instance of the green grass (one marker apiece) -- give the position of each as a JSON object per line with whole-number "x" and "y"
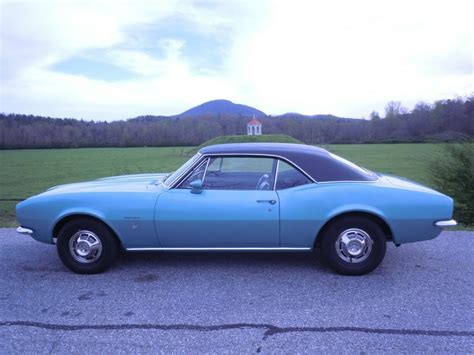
{"x": 27, "y": 172}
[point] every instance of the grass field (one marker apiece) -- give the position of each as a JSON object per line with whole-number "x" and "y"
{"x": 27, "y": 172}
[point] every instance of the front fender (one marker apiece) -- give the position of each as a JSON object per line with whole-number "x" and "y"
{"x": 76, "y": 212}
{"x": 128, "y": 215}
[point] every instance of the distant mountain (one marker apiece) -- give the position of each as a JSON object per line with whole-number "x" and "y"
{"x": 216, "y": 107}
{"x": 291, "y": 115}
{"x": 228, "y": 108}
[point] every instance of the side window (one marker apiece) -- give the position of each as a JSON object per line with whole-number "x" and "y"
{"x": 196, "y": 174}
{"x": 288, "y": 177}
{"x": 240, "y": 173}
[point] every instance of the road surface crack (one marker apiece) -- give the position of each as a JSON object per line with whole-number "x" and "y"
{"x": 269, "y": 329}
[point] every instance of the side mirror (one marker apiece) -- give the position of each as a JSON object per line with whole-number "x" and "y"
{"x": 196, "y": 186}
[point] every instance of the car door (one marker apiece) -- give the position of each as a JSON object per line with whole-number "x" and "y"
{"x": 237, "y": 206}
{"x": 300, "y": 207}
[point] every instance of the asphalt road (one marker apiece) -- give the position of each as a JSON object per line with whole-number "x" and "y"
{"x": 420, "y": 299}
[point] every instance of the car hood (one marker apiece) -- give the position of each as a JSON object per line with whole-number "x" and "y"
{"x": 122, "y": 183}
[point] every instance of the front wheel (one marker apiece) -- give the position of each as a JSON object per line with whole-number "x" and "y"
{"x": 353, "y": 245}
{"x": 86, "y": 246}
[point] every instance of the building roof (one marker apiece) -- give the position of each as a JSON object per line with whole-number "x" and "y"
{"x": 254, "y": 122}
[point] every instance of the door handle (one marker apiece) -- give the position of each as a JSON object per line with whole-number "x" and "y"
{"x": 271, "y": 202}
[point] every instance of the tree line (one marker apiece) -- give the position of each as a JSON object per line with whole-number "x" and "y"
{"x": 444, "y": 120}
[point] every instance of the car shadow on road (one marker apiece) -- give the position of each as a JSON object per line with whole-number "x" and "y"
{"x": 222, "y": 260}
{"x": 251, "y": 262}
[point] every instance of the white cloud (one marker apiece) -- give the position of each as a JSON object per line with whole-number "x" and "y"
{"x": 331, "y": 57}
{"x": 342, "y": 57}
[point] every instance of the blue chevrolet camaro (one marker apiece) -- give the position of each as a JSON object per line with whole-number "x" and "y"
{"x": 239, "y": 197}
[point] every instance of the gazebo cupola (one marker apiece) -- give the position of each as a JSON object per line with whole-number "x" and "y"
{"x": 254, "y": 127}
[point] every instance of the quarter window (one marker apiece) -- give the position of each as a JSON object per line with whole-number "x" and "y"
{"x": 288, "y": 177}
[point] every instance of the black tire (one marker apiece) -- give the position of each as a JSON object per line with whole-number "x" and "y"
{"x": 97, "y": 261}
{"x": 353, "y": 226}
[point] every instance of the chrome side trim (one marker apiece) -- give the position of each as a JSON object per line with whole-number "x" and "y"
{"x": 349, "y": 181}
{"x": 221, "y": 249}
{"x": 276, "y": 175}
{"x": 185, "y": 172}
{"x": 201, "y": 162}
{"x": 450, "y": 223}
{"x": 178, "y": 181}
{"x": 23, "y": 230}
{"x": 205, "y": 171}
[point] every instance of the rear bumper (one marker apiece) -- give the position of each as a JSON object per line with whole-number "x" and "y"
{"x": 447, "y": 223}
{"x": 23, "y": 230}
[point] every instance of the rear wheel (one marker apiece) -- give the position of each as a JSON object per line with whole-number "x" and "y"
{"x": 87, "y": 246}
{"x": 353, "y": 245}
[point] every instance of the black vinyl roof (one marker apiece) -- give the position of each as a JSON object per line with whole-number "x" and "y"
{"x": 321, "y": 165}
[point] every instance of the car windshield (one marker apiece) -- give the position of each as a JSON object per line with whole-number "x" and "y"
{"x": 174, "y": 176}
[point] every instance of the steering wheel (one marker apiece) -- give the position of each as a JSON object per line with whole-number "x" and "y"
{"x": 263, "y": 183}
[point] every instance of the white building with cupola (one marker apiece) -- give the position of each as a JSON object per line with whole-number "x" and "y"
{"x": 254, "y": 127}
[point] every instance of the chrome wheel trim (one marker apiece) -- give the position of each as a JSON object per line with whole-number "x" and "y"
{"x": 85, "y": 247}
{"x": 354, "y": 245}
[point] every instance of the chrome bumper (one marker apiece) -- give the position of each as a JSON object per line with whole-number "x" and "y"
{"x": 23, "y": 230}
{"x": 450, "y": 223}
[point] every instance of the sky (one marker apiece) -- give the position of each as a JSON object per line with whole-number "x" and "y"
{"x": 110, "y": 60}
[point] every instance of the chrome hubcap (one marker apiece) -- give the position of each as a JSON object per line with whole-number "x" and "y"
{"x": 85, "y": 247}
{"x": 354, "y": 245}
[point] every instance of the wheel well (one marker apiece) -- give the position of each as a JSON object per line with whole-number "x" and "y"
{"x": 70, "y": 218}
{"x": 382, "y": 224}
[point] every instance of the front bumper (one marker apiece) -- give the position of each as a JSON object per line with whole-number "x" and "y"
{"x": 23, "y": 230}
{"x": 450, "y": 223}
